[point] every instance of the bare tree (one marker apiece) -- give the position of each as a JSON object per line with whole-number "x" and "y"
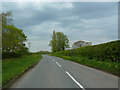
{"x": 81, "y": 44}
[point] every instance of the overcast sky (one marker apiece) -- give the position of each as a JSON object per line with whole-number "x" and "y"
{"x": 89, "y": 21}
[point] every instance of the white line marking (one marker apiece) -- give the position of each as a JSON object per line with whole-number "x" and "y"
{"x": 75, "y": 81}
{"x": 58, "y": 64}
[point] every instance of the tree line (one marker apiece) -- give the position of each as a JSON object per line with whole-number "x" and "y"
{"x": 13, "y": 38}
{"x": 60, "y": 42}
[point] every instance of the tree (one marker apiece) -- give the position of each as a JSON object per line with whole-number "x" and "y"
{"x": 59, "y": 41}
{"x": 6, "y": 18}
{"x": 80, "y": 44}
{"x": 12, "y": 38}
{"x": 53, "y": 42}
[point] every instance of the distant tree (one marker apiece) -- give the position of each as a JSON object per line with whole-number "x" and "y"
{"x": 43, "y": 52}
{"x": 88, "y": 43}
{"x": 59, "y": 41}
{"x": 80, "y": 44}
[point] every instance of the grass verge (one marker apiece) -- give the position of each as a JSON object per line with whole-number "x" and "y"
{"x": 16, "y": 66}
{"x": 107, "y": 66}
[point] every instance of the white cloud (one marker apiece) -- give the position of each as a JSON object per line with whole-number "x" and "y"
{"x": 62, "y": 5}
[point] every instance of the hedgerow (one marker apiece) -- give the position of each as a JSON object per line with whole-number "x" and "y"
{"x": 102, "y": 52}
{"x": 6, "y": 55}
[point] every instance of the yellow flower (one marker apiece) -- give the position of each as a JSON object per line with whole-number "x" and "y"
{"x": 116, "y": 66}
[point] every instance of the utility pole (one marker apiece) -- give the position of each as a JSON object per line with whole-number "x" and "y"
{"x": 29, "y": 43}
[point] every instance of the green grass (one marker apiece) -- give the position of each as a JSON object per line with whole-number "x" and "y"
{"x": 111, "y": 67}
{"x": 13, "y": 67}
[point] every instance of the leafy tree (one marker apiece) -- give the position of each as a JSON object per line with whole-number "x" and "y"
{"x": 53, "y": 42}
{"x": 12, "y": 38}
{"x": 59, "y": 41}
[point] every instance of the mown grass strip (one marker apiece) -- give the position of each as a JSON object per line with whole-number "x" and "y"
{"x": 107, "y": 66}
{"x": 14, "y": 67}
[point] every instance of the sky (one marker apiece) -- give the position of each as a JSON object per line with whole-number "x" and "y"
{"x": 95, "y": 22}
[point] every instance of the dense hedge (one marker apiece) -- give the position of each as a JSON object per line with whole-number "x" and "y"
{"x": 106, "y": 51}
{"x": 12, "y": 54}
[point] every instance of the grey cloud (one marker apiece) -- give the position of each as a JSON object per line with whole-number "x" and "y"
{"x": 94, "y": 10}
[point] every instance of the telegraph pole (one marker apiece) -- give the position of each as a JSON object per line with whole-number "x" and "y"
{"x": 29, "y": 43}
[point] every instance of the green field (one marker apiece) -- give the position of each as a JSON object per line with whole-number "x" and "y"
{"x": 15, "y": 66}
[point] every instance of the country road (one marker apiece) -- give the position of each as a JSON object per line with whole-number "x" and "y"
{"x": 54, "y": 72}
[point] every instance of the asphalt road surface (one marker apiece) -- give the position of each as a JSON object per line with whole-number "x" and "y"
{"x": 54, "y": 72}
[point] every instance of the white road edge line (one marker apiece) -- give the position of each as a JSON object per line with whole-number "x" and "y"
{"x": 75, "y": 81}
{"x": 58, "y": 64}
